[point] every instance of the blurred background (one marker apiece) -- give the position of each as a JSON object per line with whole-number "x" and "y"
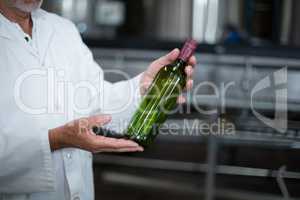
{"x": 241, "y": 41}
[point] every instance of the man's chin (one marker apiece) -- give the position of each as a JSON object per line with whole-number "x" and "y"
{"x": 26, "y": 7}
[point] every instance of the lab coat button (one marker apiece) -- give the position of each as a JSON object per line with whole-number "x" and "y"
{"x": 69, "y": 156}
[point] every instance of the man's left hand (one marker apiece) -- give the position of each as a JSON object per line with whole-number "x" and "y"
{"x": 149, "y": 75}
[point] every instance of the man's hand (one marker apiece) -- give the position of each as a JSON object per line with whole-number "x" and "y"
{"x": 79, "y": 134}
{"x": 155, "y": 66}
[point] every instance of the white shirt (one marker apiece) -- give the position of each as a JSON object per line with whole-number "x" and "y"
{"x": 43, "y": 86}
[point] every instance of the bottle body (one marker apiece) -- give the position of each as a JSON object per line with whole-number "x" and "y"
{"x": 159, "y": 100}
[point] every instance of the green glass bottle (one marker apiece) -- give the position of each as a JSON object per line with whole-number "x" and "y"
{"x": 160, "y": 98}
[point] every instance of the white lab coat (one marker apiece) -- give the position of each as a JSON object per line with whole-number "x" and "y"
{"x": 28, "y": 169}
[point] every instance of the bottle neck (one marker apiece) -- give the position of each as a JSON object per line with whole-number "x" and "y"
{"x": 180, "y": 63}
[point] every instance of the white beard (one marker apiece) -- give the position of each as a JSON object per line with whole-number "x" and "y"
{"x": 27, "y": 7}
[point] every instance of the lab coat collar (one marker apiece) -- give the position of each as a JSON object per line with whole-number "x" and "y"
{"x": 3, "y": 27}
{"x": 4, "y": 22}
{"x": 45, "y": 32}
{"x": 39, "y": 14}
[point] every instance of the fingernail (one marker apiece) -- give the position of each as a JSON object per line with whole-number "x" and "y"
{"x": 133, "y": 144}
{"x": 174, "y": 50}
{"x": 141, "y": 149}
{"x": 189, "y": 70}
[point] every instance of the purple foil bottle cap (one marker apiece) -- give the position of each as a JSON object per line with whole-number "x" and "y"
{"x": 188, "y": 50}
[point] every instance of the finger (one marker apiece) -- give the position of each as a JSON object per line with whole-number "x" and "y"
{"x": 112, "y": 143}
{"x": 146, "y": 83}
{"x": 162, "y": 61}
{"x": 169, "y": 58}
{"x": 189, "y": 84}
{"x": 123, "y": 150}
{"x": 98, "y": 120}
{"x": 181, "y": 99}
{"x": 189, "y": 71}
{"x": 192, "y": 61}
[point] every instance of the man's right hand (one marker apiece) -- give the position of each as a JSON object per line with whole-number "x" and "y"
{"x": 79, "y": 134}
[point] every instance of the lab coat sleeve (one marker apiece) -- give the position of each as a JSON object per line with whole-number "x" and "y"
{"x": 120, "y": 99}
{"x": 25, "y": 158}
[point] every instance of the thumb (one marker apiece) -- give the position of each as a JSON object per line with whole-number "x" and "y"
{"x": 99, "y": 120}
{"x": 170, "y": 57}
